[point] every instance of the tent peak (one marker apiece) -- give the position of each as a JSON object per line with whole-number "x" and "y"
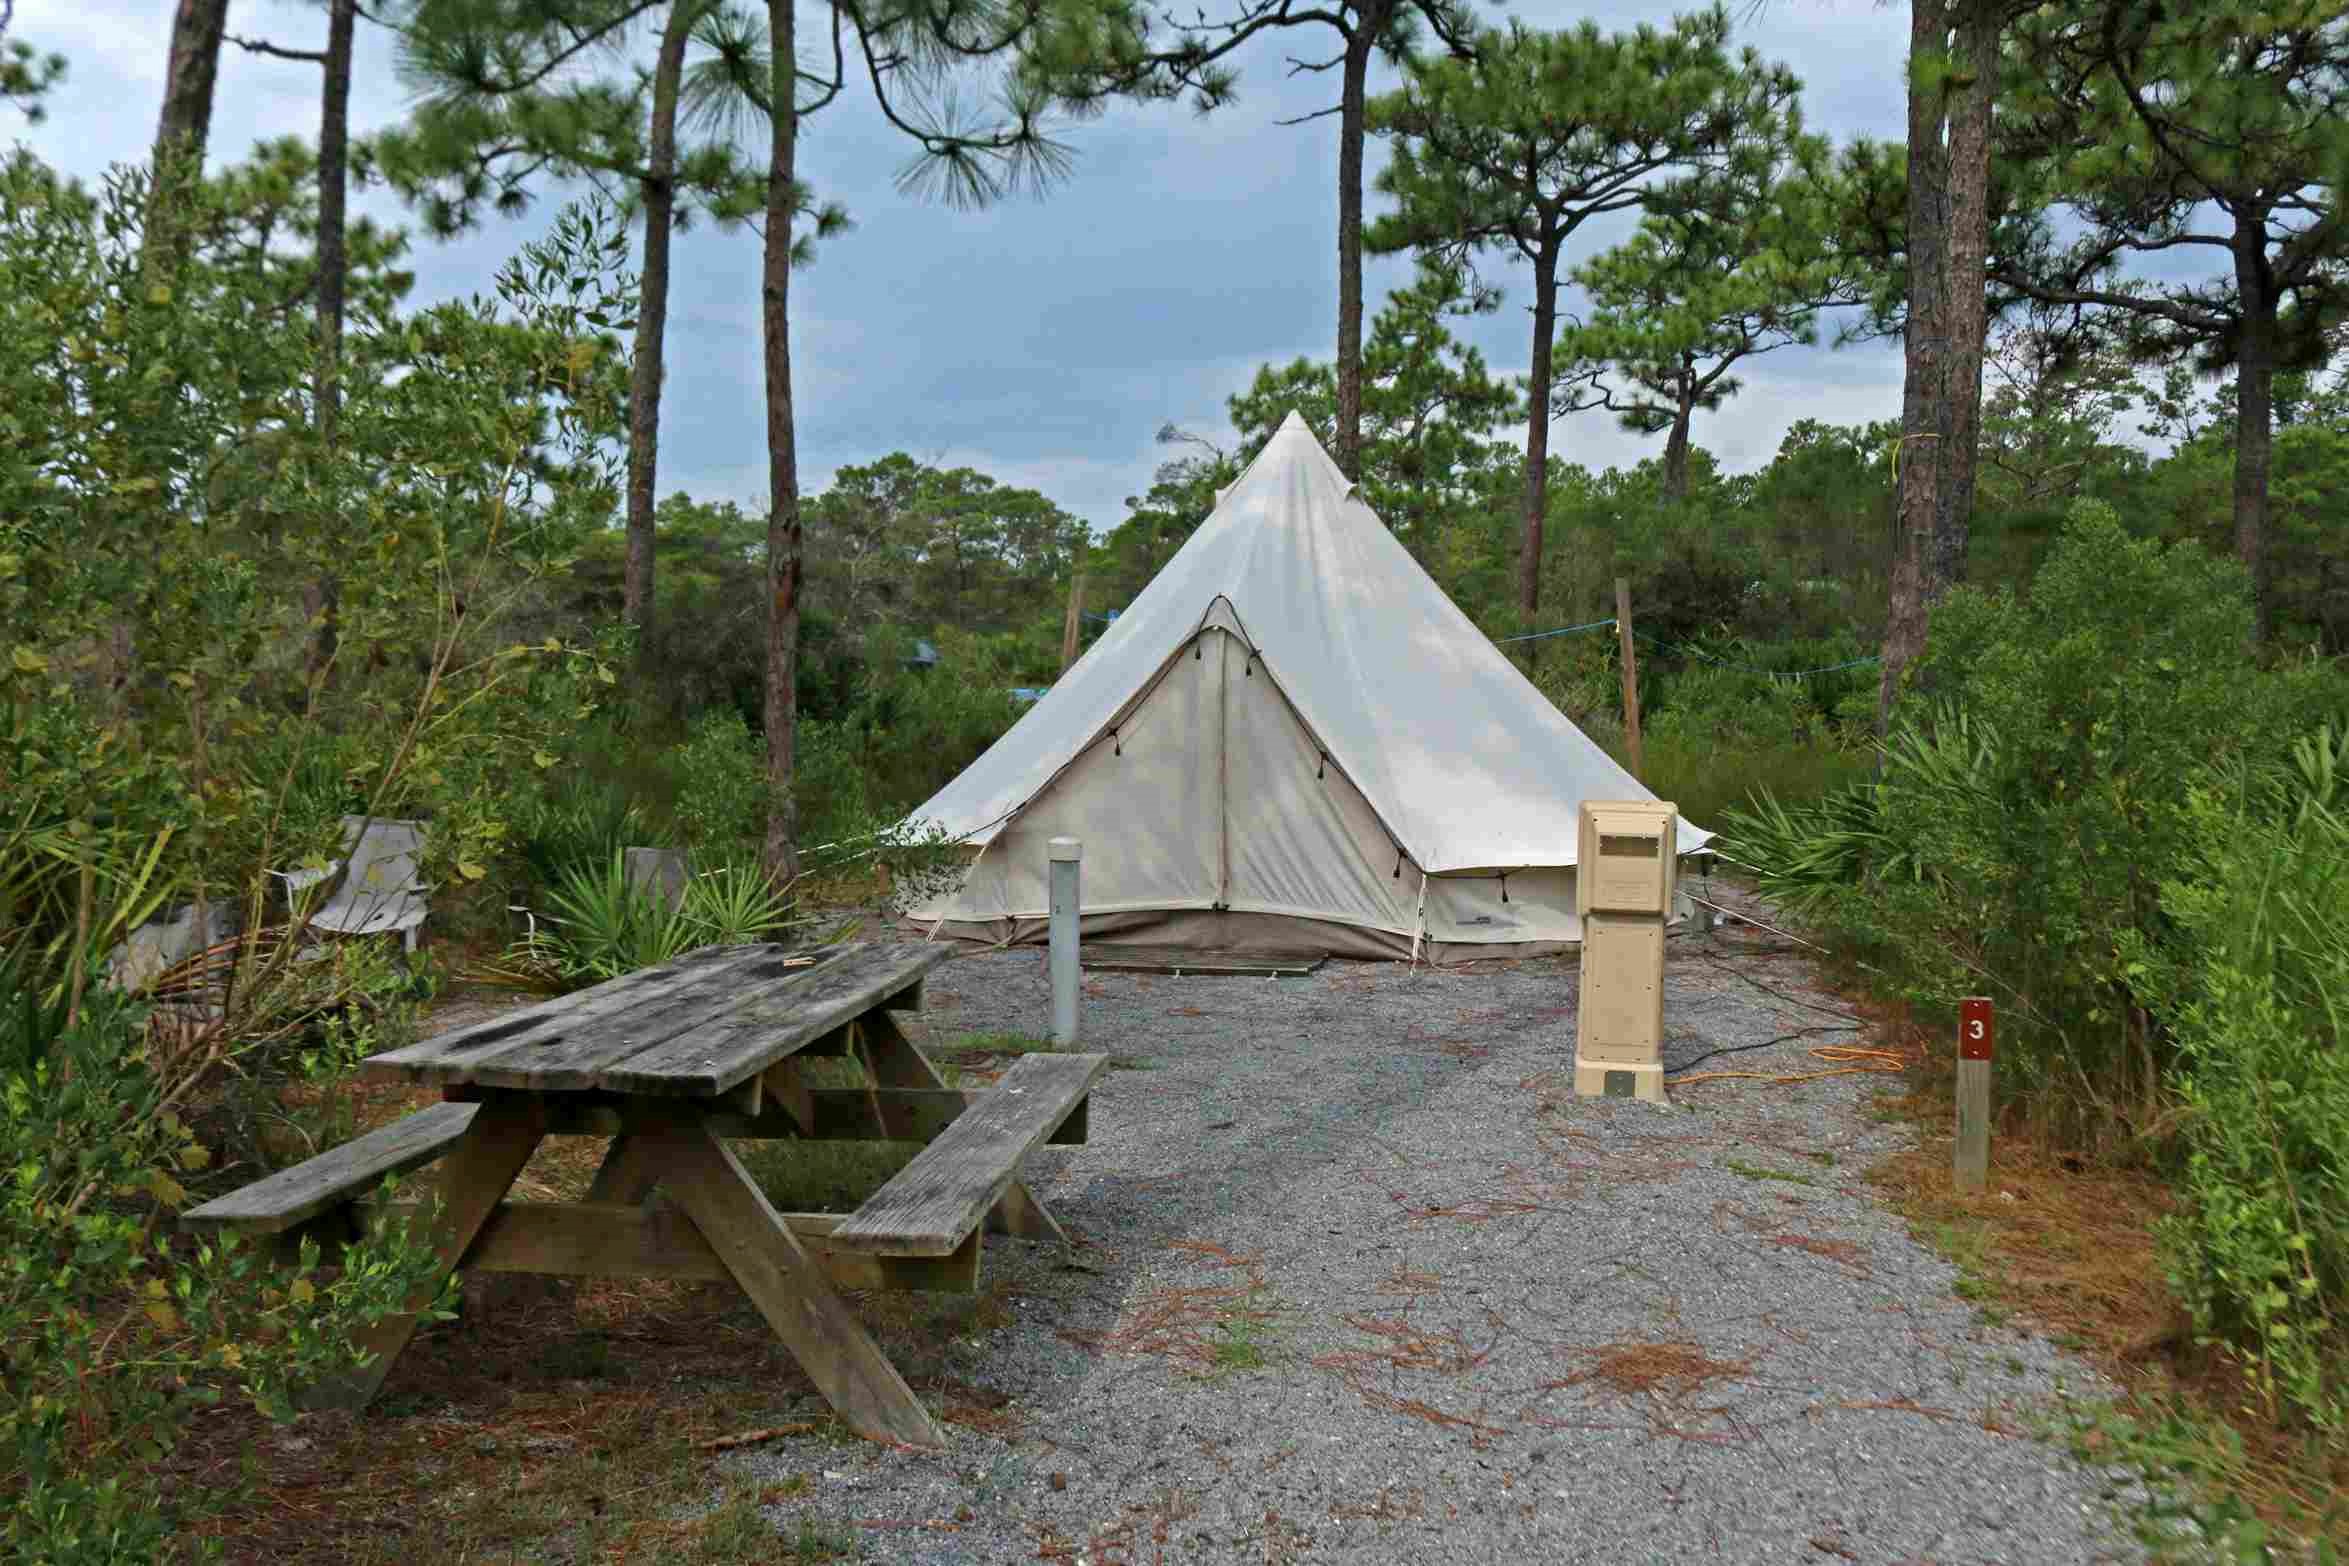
{"x": 1298, "y": 419}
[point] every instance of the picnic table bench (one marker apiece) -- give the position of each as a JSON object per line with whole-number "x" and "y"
{"x": 671, "y": 1063}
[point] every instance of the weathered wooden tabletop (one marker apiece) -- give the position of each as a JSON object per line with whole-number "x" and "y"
{"x": 693, "y": 1028}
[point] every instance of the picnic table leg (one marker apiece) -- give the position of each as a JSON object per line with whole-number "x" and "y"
{"x": 897, "y": 1064}
{"x": 473, "y": 1179}
{"x": 702, "y": 1176}
{"x": 626, "y": 1176}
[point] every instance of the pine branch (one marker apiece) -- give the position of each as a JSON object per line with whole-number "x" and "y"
{"x": 263, "y": 46}
{"x": 2206, "y": 322}
{"x": 2302, "y": 255}
{"x": 2176, "y": 240}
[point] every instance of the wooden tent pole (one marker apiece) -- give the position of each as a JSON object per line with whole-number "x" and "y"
{"x": 1076, "y": 614}
{"x": 1631, "y": 740}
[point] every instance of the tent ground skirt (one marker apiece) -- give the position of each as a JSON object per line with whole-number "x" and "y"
{"x": 1204, "y": 931}
{"x": 1121, "y": 957}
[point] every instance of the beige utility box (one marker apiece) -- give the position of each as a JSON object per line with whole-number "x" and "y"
{"x": 1626, "y": 858}
{"x": 1623, "y": 890}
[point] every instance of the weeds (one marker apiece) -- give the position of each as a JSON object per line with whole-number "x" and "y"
{"x": 1757, "y": 1172}
{"x": 989, "y": 1046}
{"x": 985, "y": 1051}
{"x": 2204, "y": 1494}
{"x": 1239, "y": 1343}
{"x": 823, "y": 1176}
{"x": 2070, "y": 1247}
{"x": 812, "y": 1543}
{"x": 1215, "y": 1328}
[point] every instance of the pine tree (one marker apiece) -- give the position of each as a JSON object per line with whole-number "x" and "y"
{"x": 183, "y": 128}
{"x": 1517, "y": 147}
{"x": 1429, "y": 407}
{"x": 1725, "y": 266}
{"x": 26, "y": 74}
{"x": 1030, "y": 58}
{"x": 2220, "y": 130}
{"x": 1953, "y": 75}
{"x": 505, "y": 108}
{"x": 1193, "y": 58}
{"x": 334, "y": 168}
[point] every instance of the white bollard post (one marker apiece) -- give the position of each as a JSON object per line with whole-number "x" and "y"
{"x": 1066, "y": 851}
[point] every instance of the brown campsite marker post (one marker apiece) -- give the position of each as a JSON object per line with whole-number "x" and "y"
{"x": 1977, "y": 1034}
{"x": 1631, "y": 742}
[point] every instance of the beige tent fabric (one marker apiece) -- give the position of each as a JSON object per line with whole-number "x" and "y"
{"x": 1290, "y": 723}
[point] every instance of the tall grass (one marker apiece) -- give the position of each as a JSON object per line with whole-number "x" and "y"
{"x": 1708, "y": 779}
{"x": 2255, "y": 986}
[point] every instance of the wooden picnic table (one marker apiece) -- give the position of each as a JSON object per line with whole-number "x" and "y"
{"x": 671, "y": 1063}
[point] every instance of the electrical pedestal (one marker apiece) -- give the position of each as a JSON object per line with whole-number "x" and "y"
{"x": 1623, "y": 891}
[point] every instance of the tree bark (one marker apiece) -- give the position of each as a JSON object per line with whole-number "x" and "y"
{"x": 185, "y": 124}
{"x": 2255, "y": 373}
{"x": 1965, "y": 316}
{"x": 783, "y": 524}
{"x": 320, "y": 597}
{"x": 1922, "y": 351}
{"x": 1369, "y": 20}
{"x": 334, "y": 133}
{"x": 647, "y": 368}
{"x": 1676, "y": 443}
{"x": 1537, "y": 442}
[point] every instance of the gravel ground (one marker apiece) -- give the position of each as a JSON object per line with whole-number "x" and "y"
{"x": 1362, "y": 1280}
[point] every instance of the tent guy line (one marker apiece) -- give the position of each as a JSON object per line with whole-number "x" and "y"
{"x": 1563, "y": 630}
{"x": 1675, "y": 647}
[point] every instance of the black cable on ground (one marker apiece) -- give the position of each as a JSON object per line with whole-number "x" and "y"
{"x": 1791, "y": 1000}
{"x": 1740, "y": 1049}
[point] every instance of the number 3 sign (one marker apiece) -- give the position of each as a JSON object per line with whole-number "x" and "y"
{"x": 1976, "y": 1030}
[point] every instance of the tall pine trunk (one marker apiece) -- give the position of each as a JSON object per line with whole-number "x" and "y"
{"x": 1676, "y": 443}
{"x": 319, "y": 597}
{"x": 2255, "y": 374}
{"x": 783, "y": 528}
{"x": 184, "y": 126}
{"x": 652, "y": 323}
{"x": 1537, "y": 441}
{"x": 1965, "y": 317}
{"x": 334, "y": 134}
{"x": 1368, "y": 23}
{"x": 1922, "y": 344}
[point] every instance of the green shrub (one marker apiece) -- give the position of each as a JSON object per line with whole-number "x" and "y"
{"x": 1709, "y": 778}
{"x": 2254, "y": 984}
{"x": 599, "y": 926}
{"x": 112, "y": 1332}
{"x": 2030, "y": 812}
{"x": 1734, "y": 688}
{"x": 719, "y": 779}
{"x": 175, "y": 722}
{"x": 580, "y": 824}
{"x": 913, "y": 732}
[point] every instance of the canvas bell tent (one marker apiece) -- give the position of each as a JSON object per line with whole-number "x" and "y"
{"x": 1290, "y": 741}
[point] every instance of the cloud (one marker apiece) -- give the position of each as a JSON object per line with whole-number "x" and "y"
{"x": 1044, "y": 342}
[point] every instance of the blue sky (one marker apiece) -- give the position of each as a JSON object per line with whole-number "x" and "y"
{"x": 1043, "y": 342}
